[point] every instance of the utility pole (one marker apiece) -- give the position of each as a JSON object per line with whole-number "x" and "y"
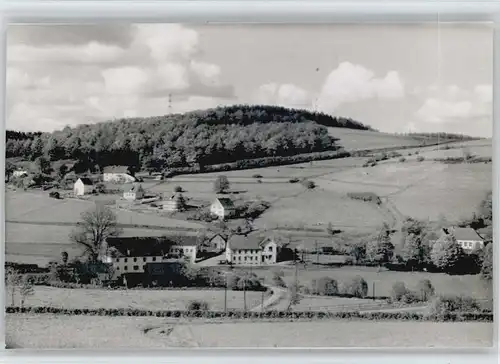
{"x": 244, "y": 295}
{"x": 373, "y": 290}
{"x": 317, "y": 251}
{"x": 225, "y": 296}
{"x": 262, "y": 303}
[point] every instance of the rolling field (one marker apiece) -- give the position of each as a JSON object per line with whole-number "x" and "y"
{"x": 140, "y": 299}
{"x": 65, "y": 332}
{"x": 352, "y": 139}
{"x": 38, "y": 207}
{"x": 469, "y": 285}
{"x": 412, "y": 186}
{"x": 318, "y": 208}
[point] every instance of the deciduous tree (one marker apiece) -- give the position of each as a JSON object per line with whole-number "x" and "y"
{"x": 221, "y": 184}
{"x": 446, "y": 254}
{"x": 94, "y": 228}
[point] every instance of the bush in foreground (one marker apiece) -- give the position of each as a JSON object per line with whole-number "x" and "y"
{"x": 197, "y": 305}
{"x": 356, "y": 287}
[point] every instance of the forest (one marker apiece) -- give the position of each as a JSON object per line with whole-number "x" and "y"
{"x": 203, "y": 137}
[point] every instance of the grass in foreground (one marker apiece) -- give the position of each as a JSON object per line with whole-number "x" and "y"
{"x": 51, "y": 332}
{"x": 140, "y": 299}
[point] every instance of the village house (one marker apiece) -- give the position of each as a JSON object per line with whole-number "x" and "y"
{"x": 213, "y": 244}
{"x": 251, "y": 250}
{"x": 175, "y": 203}
{"x": 134, "y": 192}
{"x": 467, "y": 238}
{"x": 83, "y": 186}
{"x": 222, "y": 207}
{"x": 130, "y": 254}
{"x": 117, "y": 174}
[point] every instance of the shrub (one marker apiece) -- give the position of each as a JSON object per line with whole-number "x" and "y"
{"x": 293, "y": 180}
{"x": 257, "y": 175}
{"x": 308, "y": 184}
{"x": 441, "y": 307}
{"x": 425, "y": 290}
{"x": 402, "y": 159}
{"x": 324, "y": 286}
{"x": 398, "y": 291}
{"x": 365, "y": 196}
{"x": 356, "y": 287}
{"x": 178, "y": 189}
{"x": 420, "y": 158}
{"x": 197, "y": 305}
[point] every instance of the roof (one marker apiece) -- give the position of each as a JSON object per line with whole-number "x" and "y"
{"x": 86, "y": 181}
{"x": 466, "y": 234}
{"x": 136, "y": 187}
{"x": 244, "y": 242}
{"x": 116, "y": 169}
{"x": 149, "y": 245}
{"x": 226, "y": 202}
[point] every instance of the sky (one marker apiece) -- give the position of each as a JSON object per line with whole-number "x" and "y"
{"x": 393, "y": 77}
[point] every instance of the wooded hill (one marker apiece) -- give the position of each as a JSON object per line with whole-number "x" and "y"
{"x": 204, "y": 137}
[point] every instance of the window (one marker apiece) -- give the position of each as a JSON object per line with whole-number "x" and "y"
{"x": 117, "y": 268}
{"x": 117, "y": 259}
{"x": 136, "y": 267}
{"x": 234, "y": 258}
{"x": 125, "y": 268}
{"x": 135, "y": 259}
{"x": 125, "y": 260}
{"x": 245, "y": 259}
{"x": 239, "y": 258}
{"x": 144, "y": 259}
{"x": 154, "y": 259}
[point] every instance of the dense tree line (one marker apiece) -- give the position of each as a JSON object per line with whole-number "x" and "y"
{"x": 220, "y": 135}
{"x": 443, "y": 136}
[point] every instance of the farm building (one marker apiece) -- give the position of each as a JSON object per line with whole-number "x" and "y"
{"x": 214, "y": 244}
{"x": 134, "y": 192}
{"x": 127, "y": 252}
{"x": 83, "y": 186}
{"x": 251, "y": 250}
{"x": 467, "y": 238}
{"x": 222, "y": 207}
{"x": 117, "y": 174}
{"x": 176, "y": 202}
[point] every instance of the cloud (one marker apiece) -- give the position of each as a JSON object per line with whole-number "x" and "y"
{"x": 90, "y": 53}
{"x": 287, "y": 95}
{"x": 454, "y": 104}
{"x": 40, "y": 35}
{"x": 350, "y": 83}
{"x": 83, "y": 77}
{"x": 167, "y": 41}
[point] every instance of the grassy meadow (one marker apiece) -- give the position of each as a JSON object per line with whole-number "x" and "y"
{"x": 154, "y": 300}
{"x": 90, "y": 332}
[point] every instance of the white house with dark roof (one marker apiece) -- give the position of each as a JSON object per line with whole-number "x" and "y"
{"x": 117, "y": 174}
{"x": 134, "y": 192}
{"x": 83, "y": 186}
{"x": 467, "y": 238}
{"x": 251, "y": 250}
{"x": 223, "y": 207}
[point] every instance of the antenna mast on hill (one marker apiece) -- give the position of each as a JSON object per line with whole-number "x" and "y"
{"x": 170, "y": 103}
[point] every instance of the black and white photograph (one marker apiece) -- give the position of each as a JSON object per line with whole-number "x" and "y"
{"x": 249, "y": 185}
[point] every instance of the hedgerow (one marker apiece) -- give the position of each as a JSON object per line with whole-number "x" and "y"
{"x": 287, "y": 315}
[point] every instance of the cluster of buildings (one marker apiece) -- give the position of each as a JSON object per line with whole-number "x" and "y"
{"x": 141, "y": 256}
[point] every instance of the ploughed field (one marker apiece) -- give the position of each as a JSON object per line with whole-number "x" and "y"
{"x": 47, "y": 331}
